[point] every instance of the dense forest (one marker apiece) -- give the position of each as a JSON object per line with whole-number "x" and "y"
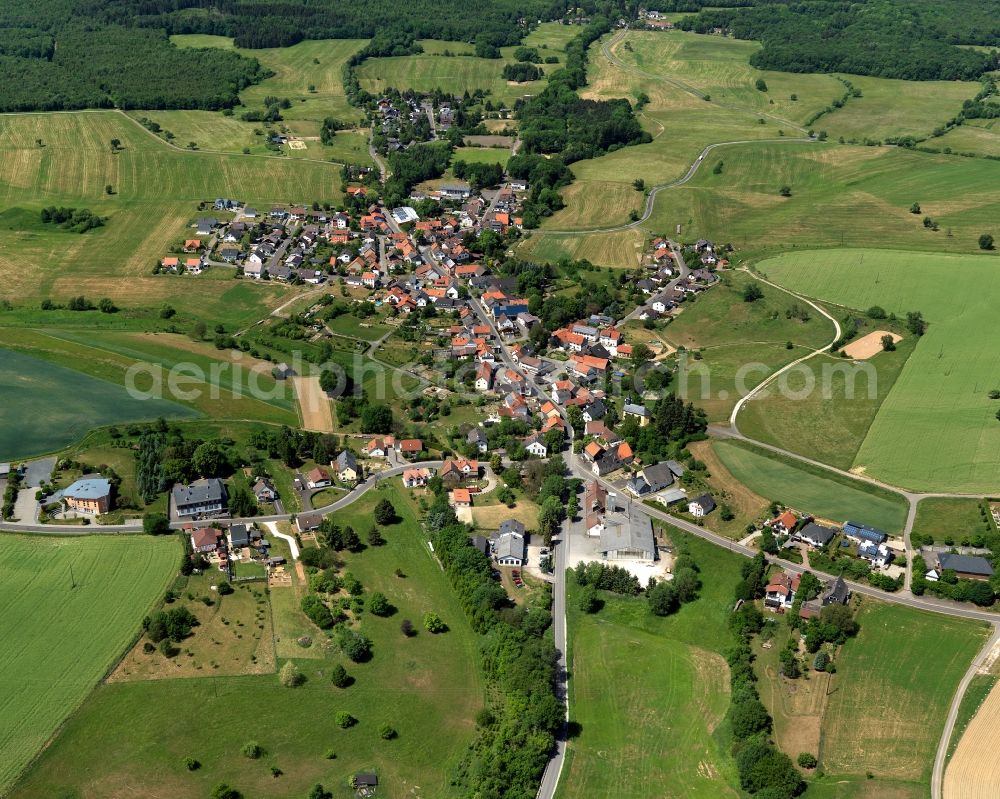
{"x": 884, "y": 38}
{"x": 71, "y": 54}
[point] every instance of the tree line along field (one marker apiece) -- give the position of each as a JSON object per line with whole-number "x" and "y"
{"x": 63, "y": 631}
{"x": 740, "y": 343}
{"x": 811, "y": 490}
{"x": 649, "y": 693}
{"x": 157, "y": 189}
{"x": 936, "y": 429}
{"x": 427, "y": 687}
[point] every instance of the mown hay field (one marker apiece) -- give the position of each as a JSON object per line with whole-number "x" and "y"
{"x": 936, "y": 429}
{"x": 70, "y": 607}
{"x": 896, "y": 736}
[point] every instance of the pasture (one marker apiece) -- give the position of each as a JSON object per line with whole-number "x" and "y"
{"x": 482, "y": 155}
{"x": 649, "y": 692}
{"x": 428, "y": 687}
{"x": 457, "y": 73}
{"x": 809, "y": 489}
{"x": 63, "y": 632}
{"x": 829, "y": 421}
{"x": 896, "y": 108}
{"x": 936, "y": 428}
{"x": 156, "y": 192}
{"x": 897, "y": 649}
{"x": 44, "y": 406}
{"x": 832, "y": 188}
{"x": 740, "y": 342}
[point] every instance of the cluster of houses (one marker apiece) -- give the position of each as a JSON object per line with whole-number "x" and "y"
{"x": 662, "y": 288}
{"x": 779, "y": 595}
{"x": 871, "y": 544}
{"x": 225, "y": 546}
{"x": 624, "y": 534}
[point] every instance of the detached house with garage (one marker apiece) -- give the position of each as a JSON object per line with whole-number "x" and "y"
{"x": 510, "y": 544}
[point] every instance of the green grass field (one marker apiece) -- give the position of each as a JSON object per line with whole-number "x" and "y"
{"x": 432, "y": 70}
{"x": 59, "y": 640}
{"x": 896, "y": 108}
{"x": 482, "y": 155}
{"x": 953, "y": 518}
{"x": 622, "y": 250}
{"x": 829, "y": 421}
{"x": 936, "y": 429}
{"x": 811, "y": 490}
{"x": 44, "y": 407}
{"x": 833, "y": 187}
{"x": 649, "y": 693}
{"x": 157, "y": 190}
{"x": 896, "y": 736}
{"x": 980, "y": 136}
{"x": 741, "y": 342}
{"x": 428, "y": 687}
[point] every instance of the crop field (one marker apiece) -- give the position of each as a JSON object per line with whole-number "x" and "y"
{"x": 936, "y": 429}
{"x": 895, "y": 737}
{"x": 972, "y": 772}
{"x": 44, "y": 406}
{"x": 62, "y": 631}
{"x": 221, "y": 384}
{"x": 896, "y": 108}
{"x": 428, "y": 687}
{"x": 829, "y": 421}
{"x": 833, "y": 186}
{"x": 740, "y": 342}
{"x": 156, "y": 192}
{"x": 455, "y": 73}
{"x": 812, "y": 490}
{"x": 621, "y": 250}
{"x": 648, "y": 692}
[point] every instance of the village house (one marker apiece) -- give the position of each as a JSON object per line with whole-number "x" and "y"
{"x": 478, "y": 439}
{"x": 409, "y": 447}
{"x": 460, "y": 498}
{"x": 459, "y": 469}
{"x": 510, "y": 544}
{"x": 308, "y": 522}
{"x": 780, "y": 591}
{"x": 816, "y": 534}
{"x": 380, "y": 447}
{"x": 263, "y": 491}
{"x": 319, "y": 478}
{"x": 205, "y": 539}
{"x": 970, "y": 567}
{"x": 783, "y": 524}
{"x": 650, "y": 480}
{"x": 201, "y": 497}
{"x": 416, "y": 478}
{"x": 88, "y": 495}
{"x": 347, "y": 467}
{"x": 701, "y": 506}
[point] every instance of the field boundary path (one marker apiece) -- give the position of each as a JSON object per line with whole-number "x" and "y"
{"x": 651, "y": 196}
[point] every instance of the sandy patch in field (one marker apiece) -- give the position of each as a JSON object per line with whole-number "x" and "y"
{"x": 296, "y": 144}
{"x": 867, "y": 346}
{"x": 314, "y": 404}
{"x": 974, "y": 770}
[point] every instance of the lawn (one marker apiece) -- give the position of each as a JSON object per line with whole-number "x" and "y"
{"x": 829, "y": 422}
{"x": 648, "y": 693}
{"x": 70, "y": 608}
{"x": 156, "y": 188}
{"x": 812, "y": 490}
{"x": 482, "y": 155}
{"x": 936, "y": 428}
{"x": 428, "y": 687}
{"x": 912, "y": 661}
{"x": 951, "y": 518}
{"x": 740, "y": 342}
{"x": 74, "y": 402}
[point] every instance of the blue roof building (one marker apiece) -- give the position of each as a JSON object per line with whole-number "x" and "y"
{"x": 863, "y": 532}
